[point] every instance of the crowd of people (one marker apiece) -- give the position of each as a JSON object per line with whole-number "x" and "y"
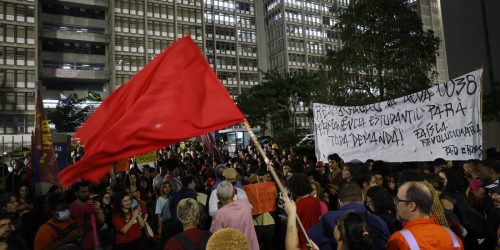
{"x": 190, "y": 200}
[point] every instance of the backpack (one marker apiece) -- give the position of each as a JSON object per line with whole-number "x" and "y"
{"x": 63, "y": 233}
{"x": 187, "y": 244}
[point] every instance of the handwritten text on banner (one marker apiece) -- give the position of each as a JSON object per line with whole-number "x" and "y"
{"x": 443, "y": 121}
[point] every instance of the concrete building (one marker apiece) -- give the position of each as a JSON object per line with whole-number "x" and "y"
{"x": 74, "y": 46}
{"x": 18, "y": 72}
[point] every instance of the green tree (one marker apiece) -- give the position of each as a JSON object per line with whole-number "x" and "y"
{"x": 272, "y": 102}
{"x": 385, "y": 53}
{"x": 70, "y": 113}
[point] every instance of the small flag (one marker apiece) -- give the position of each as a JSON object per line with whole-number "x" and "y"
{"x": 93, "y": 96}
{"x": 43, "y": 159}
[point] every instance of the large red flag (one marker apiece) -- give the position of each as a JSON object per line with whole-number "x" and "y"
{"x": 174, "y": 97}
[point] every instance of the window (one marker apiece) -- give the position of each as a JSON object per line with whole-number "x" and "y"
{"x": 21, "y": 79}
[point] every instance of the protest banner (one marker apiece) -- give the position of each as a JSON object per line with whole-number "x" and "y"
{"x": 146, "y": 158}
{"x": 262, "y": 196}
{"x": 442, "y": 121}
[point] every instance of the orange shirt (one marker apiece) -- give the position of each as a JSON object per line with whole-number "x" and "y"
{"x": 428, "y": 235}
{"x": 46, "y": 236}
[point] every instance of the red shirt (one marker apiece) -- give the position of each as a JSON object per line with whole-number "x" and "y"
{"x": 308, "y": 210}
{"x": 133, "y": 233}
{"x": 193, "y": 235}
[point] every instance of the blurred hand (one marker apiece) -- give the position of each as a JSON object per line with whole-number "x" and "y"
{"x": 135, "y": 213}
{"x": 289, "y": 206}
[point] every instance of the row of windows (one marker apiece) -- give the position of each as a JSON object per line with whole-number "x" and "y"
{"x": 17, "y": 56}
{"x": 17, "y": 34}
{"x": 17, "y": 12}
{"x": 129, "y": 63}
{"x": 17, "y": 78}
{"x": 247, "y": 36}
{"x": 79, "y": 47}
{"x": 19, "y": 124}
{"x": 276, "y": 47}
{"x": 81, "y": 11}
{"x": 121, "y": 79}
{"x": 231, "y": 78}
{"x": 163, "y": 29}
{"x": 73, "y": 66}
{"x": 155, "y": 46}
{"x": 271, "y": 5}
{"x": 190, "y": 2}
{"x": 129, "y": 44}
{"x": 221, "y": 32}
{"x": 132, "y": 7}
{"x": 129, "y": 25}
{"x": 229, "y": 63}
{"x": 302, "y": 121}
{"x": 189, "y": 15}
{"x": 17, "y": 101}
{"x": 73, "y": 28}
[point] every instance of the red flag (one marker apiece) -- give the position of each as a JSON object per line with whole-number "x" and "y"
{"x": 43, "y": 158}
{"x": 174, "y": 97}
{"x": 209, "y": 146}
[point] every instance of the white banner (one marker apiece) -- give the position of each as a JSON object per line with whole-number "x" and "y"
{"x": 443, "y": 121}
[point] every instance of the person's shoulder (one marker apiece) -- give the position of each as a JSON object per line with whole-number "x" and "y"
{"x": 173, "y": 243}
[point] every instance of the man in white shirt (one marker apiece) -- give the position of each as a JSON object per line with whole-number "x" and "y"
{"x": 229, "y": 175}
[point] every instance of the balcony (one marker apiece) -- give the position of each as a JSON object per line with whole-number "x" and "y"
{"x": 73, "y": 74}
{"x": 97, "y": 3}
{"x": 72, "y": 21}
{"x": 74, "y": 35}
{"x": 72, "y": 57}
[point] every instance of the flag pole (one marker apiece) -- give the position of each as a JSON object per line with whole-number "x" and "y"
{"x": 273, "y": 173}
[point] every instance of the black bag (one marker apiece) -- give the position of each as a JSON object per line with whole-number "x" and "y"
{"x": 187, "y": 244}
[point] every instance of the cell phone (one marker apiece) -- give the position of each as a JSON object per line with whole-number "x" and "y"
{"x": 134, "y": 204}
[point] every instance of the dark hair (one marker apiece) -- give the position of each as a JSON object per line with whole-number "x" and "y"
{"x": 350, "y": 192}
{"x": 186, "y": 180}
{"x": 439, "y": 162}
{"x": 5, "y": 215}
{"x": 422, "y": 198}
{"x": 56, "y": 199}
{"x": 354, "y": 231}
{"x": 491, "y": 164}
{"x": 455, "y": 182}
{"x": 53, "y": 188}
{"x": 369, "y": 161}
{"x": 5, "y": 198}
{"x": 381, "y": 199}
{"x": 408, "y": 175}
{"x": 172, "y": 163}
{"x": 117, "y": 203}
{"x": 362, "y": 176}
{"x": 79, "y": 184}
{"x": 436, "y": 181}
{"x": 335, "y": 157}
{"x": 299, "y": 185}
{"x": 137, "y": 179}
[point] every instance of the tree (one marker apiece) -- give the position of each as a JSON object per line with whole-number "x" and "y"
{"x": 273, "y": 101}
{"x": 385, "y": 53}
{"x": 70, "y": 113}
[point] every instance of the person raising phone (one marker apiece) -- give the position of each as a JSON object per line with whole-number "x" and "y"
{"x": 128, "y": 222}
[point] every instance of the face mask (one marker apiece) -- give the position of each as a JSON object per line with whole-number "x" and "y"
{"x": 63, "y": 215}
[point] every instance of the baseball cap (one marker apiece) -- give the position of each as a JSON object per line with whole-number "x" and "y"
{"x": 230, "y": 174}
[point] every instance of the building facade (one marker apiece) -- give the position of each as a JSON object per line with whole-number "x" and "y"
{"x": 77, "y": 47}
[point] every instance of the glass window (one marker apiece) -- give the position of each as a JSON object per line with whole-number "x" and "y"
{"x": 21, "y": 79}
{"x": 21, "y": 101}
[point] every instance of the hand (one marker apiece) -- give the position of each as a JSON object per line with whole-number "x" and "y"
{"x": 97, "y": 205}
{"x": 135, "y": 213}
{"x": 289, "y": 206}
{"x": 313, "y": 247}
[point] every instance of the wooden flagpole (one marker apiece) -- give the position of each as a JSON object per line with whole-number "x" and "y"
{"x": 270, "y": 168}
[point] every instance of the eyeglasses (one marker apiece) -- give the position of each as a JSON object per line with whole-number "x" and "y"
{"x": 397, "y": 200}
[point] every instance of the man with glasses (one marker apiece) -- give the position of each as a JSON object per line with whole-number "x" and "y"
{"x": 7, "y": 239}
{"x": 413, "y": 205}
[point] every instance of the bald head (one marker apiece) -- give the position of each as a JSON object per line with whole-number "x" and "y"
{"x": 419, "y": 194}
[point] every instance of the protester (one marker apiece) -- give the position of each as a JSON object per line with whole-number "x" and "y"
{"x": 379, "y": 202}
{"x": 350, "y": 199}
{"x": 87, "y": 214}
{"x": 6, "y": 235}
{"x": 234, "y": 214}
{"x": 127, "y": 221}
{"x": 60, "y": 230}
{"x": 413, "y": 205}
{"x": 188, "y": 212}
{"x": 188, "y": 190}
{"x": 352, "y": 233}
{"x": 230, "y": 175}
{"x": 228, "y": 239}
{"x": 308, "y": 207}
{"x": 162, "y": 210}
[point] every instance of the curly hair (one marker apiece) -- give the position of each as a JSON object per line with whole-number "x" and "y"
{"x": 299, "y": 185}
{"x": 381, "y": 199}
